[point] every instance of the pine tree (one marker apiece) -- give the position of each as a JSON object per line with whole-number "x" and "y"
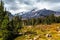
{"x": 5, "y": 22}
{"x": 2, "y": 12}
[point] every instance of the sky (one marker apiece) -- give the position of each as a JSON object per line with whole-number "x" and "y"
{"x": 17, "y": 6}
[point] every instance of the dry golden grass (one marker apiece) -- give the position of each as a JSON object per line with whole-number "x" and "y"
{"x": 41, "y": 32}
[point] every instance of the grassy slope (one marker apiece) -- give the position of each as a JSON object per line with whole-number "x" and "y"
{"x": 40, "y": 32}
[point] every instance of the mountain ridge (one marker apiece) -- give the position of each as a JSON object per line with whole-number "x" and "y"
{"x": 38, "y": 13}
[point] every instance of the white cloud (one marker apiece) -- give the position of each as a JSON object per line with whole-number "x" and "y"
{"x": 25, "y": 5}
{"x": 42, "y": 5}
{"x": 17, "y": 11}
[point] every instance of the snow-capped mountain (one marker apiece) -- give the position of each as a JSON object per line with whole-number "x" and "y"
{"x": 38, "y": 13}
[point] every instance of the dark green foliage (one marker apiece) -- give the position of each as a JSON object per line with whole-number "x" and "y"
{"x": 43, "y": 20}
{"x": 8, "y": 35}
{"x": 57, "y": 19}
{"x": 9, "y": 28}
{"x": 49, "y": 19}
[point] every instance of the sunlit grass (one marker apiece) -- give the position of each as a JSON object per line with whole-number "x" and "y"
{"x": 40, "y": 32}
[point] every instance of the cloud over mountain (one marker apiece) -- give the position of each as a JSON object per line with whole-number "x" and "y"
{"x": 16, "y": 6}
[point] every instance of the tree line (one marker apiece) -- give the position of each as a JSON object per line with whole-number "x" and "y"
{"x": 42, "y": 20}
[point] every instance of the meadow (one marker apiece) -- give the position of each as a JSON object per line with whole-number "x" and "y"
{"x": 40, "y": 32}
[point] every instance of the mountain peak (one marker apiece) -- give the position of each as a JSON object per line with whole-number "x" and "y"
{"x": 34, "y": 13}
{"x": 44, "y": 9}
{"x": 35, "y": 9}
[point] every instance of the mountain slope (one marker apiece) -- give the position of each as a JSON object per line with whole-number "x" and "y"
{"x": 39, "y": 13}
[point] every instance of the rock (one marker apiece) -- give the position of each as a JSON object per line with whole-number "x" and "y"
{"x": 48, "y": 35}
